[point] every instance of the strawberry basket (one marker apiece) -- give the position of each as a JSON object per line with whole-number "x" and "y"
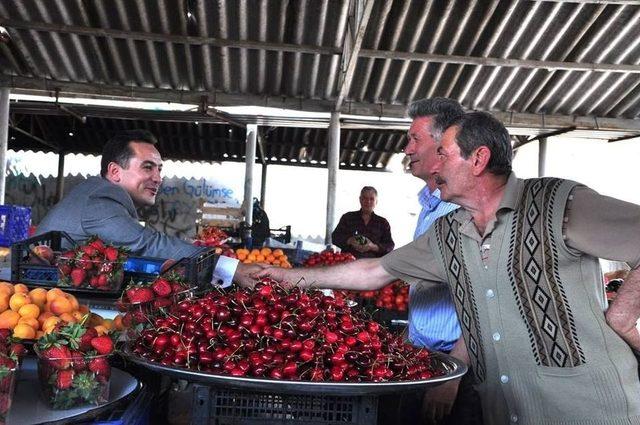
{"x": 8, "y": 371}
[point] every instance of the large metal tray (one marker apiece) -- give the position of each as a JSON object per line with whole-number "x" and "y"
{"x": 454, "y": 369}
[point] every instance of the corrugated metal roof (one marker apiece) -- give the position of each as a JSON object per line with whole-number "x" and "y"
{"x": 560, "y": 61}
{"x": 192, "y": 136}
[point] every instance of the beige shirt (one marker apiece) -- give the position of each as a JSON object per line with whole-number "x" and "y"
{"x": 524, "y": 377}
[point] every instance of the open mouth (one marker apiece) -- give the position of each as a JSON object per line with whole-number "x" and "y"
{"x": 152, "y": 190}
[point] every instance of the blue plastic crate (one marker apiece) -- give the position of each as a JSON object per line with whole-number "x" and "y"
{"x": 14, "y": 224}
{"x": 146, "y": 265}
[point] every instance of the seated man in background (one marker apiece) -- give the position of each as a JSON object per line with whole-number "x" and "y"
{"x": 364, "y": 233}
{"x": 106, "y": 205}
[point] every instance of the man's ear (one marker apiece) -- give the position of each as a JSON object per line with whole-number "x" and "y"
{"x": 114, "y": 172}
{"x": 481, "y": 157}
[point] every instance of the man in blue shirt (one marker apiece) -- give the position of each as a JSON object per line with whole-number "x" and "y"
{"x": 433, "y": 322}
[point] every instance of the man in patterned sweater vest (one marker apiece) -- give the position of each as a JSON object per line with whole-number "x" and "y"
{"x": 521, "y": 259}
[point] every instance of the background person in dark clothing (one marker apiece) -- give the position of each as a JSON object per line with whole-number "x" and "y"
{"x": 364, "y": 233}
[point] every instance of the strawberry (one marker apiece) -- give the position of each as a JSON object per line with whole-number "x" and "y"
{"x": 17, "y": 349}
{"x": 85, "y": 262}
{"x": 177, "y": 287}
{"x": 77, "y": 277}
{"x": 140, "y": 294}
{"x": 89, "y": 250}
{"x": 161, "y": 302}
{"x": 85, "y": 340}
{"x": 111, "y": 253}
{"x": 78, "y": 362}
{"x": 5, "y": 333}
{"x": 64, "y": 380}
{"x": 4, "y": 403}
{"x": 102, "y": 344}
{"x": 97, "y": 244}
{"x": 100, "y": 366}
{"x": 161, "y": 287}
{"x": 58, "y": 357}
{"x": 102, "y": 280}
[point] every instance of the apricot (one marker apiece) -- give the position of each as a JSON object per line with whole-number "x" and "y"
{"x": 44, "y": 316}
{"x": 17, "y": 300}
{"x": 30, "y": 311}
{"x": 4, "y": 301}
{"x": 54, "y": 293}
{"x": 9, "y": 319}
{"x": 38, "y": 297}
{"x": 101, "y": 330}
{"x": 6, "y": 288}
{"x": 24, "y": 331}
{"x": 30, "y": 321}
{"x": 60, "y": 305}
{"x": 67, "y": 317}
{"x": 41, "y": 254}
{"x": 20, "y": 288}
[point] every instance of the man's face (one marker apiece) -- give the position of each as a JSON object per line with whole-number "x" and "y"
{"x": 141, "y": 179}
{"x": 453, "y": 174}
{"x": 421, "y": 147}
{"x": 368, "y": 201}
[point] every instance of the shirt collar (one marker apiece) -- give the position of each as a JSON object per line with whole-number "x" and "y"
{"x": 509, "y": 201}
{"x": 429, "y": 200}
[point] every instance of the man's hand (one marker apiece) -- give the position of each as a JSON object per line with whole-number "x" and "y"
{"x": 245, "y": 274}
{"x": 624, "y": 311}
{"x": 279, "y": 274}
{"x": 438, "y": 401}
{"x": 370, "y": 246}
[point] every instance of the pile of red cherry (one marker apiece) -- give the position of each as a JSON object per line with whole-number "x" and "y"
{"x": 280, "y": 333}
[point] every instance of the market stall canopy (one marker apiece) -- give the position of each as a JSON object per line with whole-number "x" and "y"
{"x": 543, "y": 67}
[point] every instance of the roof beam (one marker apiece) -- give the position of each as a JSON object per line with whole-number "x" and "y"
{"x": 322, "y": 50}
{"x": 36, "y": 138}
{"x": 356, "y": 28}
{"x": 33, "y": 85}
{"x": 504, "y": 62}
{"x": 166, "y": 38}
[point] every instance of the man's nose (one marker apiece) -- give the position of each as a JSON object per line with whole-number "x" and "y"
{"x": 408, "y": 150}
{"x": 157, "y": 176}
{"x": 435, "y": 168}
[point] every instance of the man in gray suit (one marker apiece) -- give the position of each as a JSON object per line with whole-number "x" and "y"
{"x": 106, "y": 206}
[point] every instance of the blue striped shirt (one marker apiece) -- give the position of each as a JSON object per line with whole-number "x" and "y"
{"x": 433, "y": 322}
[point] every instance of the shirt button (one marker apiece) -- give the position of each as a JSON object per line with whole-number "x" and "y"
{"x": 486, "y": 267}
{"x": 504, "y": 379}
{"x": 514, "y": 418}
{"x": 490, "y": 293}
{"x": 496, "y": 336}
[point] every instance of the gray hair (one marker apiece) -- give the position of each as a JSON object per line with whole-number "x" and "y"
{"x": 477, "y": 129}
{"x": 368, "y": 189}
{"x": 444, "y": 111}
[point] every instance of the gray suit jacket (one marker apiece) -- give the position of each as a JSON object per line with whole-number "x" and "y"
{"x": 99, "y": 207}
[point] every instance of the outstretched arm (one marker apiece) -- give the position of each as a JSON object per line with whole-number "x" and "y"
{"x": 361, "y": 275}
{"x": 624, "y": 311}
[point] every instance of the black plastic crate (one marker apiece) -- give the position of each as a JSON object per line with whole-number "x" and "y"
{"x": 223, "y": 406}
{"x": 37, "y": 274}
{"x": 197, "y": 270}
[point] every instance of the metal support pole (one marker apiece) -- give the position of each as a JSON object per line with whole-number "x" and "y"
{"x": 263, "y": 186}
{"x": 542, "y": 156}
{"x": 60, "y": 181}
{"x": 333, "y": 163}
{"x": 4, "y": 138}
{"x": 250, "y": 159}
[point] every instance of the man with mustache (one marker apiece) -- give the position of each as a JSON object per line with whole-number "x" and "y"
{"x": 521, "y": 260}
{"x": 130, "y": 177}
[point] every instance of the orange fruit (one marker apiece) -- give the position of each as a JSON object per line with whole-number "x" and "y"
{"x": 44, "y": 316}
{"x": 30, "y": 321}
{"x": 60, "y": 305}
{"x": 117, "y": 322}
{"x": 38, "y": 297}
{"x": 4, "y": 301}
{"x": 75, "y": 305}
{"x": 17, "y": 300}
{"x": 255, "y": 252}
{"x": 20, "y": 288}
{"x": 247, "y": 261}
{"x": 251, "y": 257}
{"x": 9, "y": 319}
{"x": 265, "y": 251}
{"x": 50, "y": 323}
{"x": 54, "y": 293}
{"x": 24, "y": 331}
{"x": 241, "y": 256}
{"x": 278, "y": 253}
{"x": 30, "y": 311}
{"x": 270, "y": 258}
{"x": 39, "y": 334}
{"x": 6, "y": 288}
{"x": 67, "y": 317}
{"x": 78, "y": 315}
{"x": 260, "y": 258}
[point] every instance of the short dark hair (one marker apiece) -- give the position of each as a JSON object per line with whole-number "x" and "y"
{"x": 445, "y": 112}
{"x": 477, "y": 129}
{"x": 368, "y": 189}
{"x": 118, "y": 150}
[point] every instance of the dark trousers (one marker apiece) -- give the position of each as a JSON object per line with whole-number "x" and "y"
{"x": 406, "y": 408}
